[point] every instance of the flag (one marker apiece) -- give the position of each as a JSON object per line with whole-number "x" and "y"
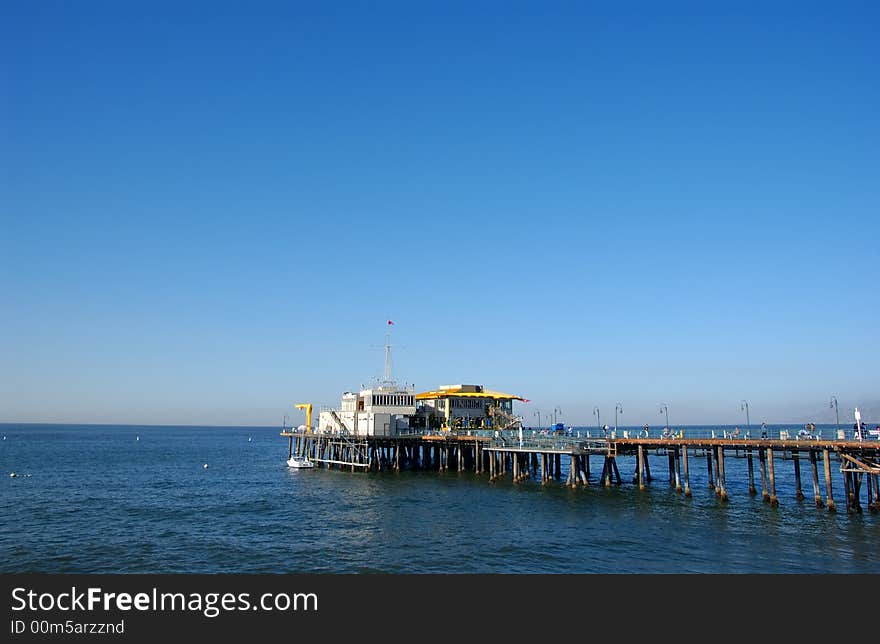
{"x": 390, "y": 322}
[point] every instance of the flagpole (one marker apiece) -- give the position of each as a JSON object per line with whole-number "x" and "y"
{"x": 388, "y": 352}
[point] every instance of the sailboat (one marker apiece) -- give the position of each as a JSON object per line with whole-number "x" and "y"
{"x": 301, "y": 461}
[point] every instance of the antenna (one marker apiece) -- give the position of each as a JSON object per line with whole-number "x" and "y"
{"x": 388, "y": 353}
{"x": 388, "y": 380}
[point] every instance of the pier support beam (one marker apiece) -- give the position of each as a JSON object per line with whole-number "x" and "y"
{"x": 709, "y": 467}
{"x": 829, "y": 496}
{"x": 677, "y": 455}
{"x": 616, "y": 471}
{"x": 762, "y": 458}
{"x": 640, "y": 467}
{"x": 877, "y": 493}
{"x": 670, "y": 457}
{"x": 853, "y": 486}
{"x": 774, "y": 501}
{"x": 752, "y": 489}
{"x": 584, "y": 469}
{"x": 687, "y": 474}
{"x": 722, "y": 478}
{"x": 857, "y": 478}
{"x": 847, "y": 492}
{"x": 814, "y": 469}
{"x": 796, "y": 457}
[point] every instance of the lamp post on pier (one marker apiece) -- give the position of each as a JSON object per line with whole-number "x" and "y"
{"x": 598, "y": 420}
{"x": 744, "y": 405}
{"x": 538, "y": 414}
{"x": 833, "y": 404}
{"x": 618, "y": 408}
{"x": 665, "y": 408}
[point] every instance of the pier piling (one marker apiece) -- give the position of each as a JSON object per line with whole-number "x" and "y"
{"x": 752, "y": 489}
{"x": 796, "y": 457}
{"x": 829, "y": 500}
{"x": 709, "y": 467}
{"x": 722, "y": 481}
{"x": 814, "y": 470}
{"x": 677, "y": 454}
{"x": 762, "y": 458}
{"x": 774, "y": 501}
{"x": 877, "y": 492}
{"x": 640, "y": 467}
{"x": 687, "y": 475}
{"x": 605, "y": 479}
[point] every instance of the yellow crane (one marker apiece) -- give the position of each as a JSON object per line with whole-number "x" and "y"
{"x": 308, "y": 408}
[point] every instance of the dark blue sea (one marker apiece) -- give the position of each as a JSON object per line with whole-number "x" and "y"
{"x": 95, "y": 499}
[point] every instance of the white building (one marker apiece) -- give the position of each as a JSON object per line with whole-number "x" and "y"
{"x": 381, "y": 411}
{"x": 388, "y": 409}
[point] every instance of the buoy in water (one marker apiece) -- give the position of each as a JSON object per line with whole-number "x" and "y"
{"x": 138, "y": 438}
{"x": 205, "y": 466}
{"x": 12, "y": 475}
{"x": 250, "y": 439}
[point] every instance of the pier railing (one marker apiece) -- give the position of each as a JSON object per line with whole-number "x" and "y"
{"x": 573, "y": 436}
{"x": 566, "y": 444}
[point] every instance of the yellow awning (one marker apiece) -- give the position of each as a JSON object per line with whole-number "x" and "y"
{"x": 452, "y": 393}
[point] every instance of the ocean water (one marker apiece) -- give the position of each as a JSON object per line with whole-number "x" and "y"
{"x": 98, "y": 500}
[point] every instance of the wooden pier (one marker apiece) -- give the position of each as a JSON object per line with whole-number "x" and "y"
{"x": 547, "y": 458}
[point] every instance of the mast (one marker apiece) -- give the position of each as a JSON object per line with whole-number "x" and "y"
{"x": 388, "y": 356}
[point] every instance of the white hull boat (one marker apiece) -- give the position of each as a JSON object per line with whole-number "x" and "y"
{"x": 299, "y": 462}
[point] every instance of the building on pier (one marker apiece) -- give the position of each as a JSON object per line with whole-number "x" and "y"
{"x": 467, "y": 407}
{"x": 389, "y": 409}
{"x": 385, "y": 410}
{"x": 392, "y": 410}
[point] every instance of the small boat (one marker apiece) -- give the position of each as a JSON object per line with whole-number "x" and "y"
{"x": 299, "y": 462}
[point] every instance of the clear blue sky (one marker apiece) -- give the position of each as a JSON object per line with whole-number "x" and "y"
{"x": 210, "y": 211}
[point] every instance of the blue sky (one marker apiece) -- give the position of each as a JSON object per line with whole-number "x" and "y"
{"x": 210, "y": 211}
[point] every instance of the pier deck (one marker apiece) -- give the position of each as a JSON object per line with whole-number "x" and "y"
{"x": 542, "y": 456}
